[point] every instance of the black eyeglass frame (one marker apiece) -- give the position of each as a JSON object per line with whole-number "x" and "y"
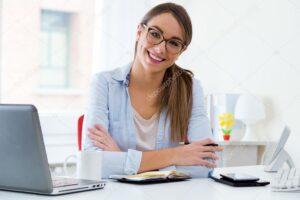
{"x": 184, "y": 46}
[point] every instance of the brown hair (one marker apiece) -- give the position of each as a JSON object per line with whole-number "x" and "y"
{"x": 176, "y": 95}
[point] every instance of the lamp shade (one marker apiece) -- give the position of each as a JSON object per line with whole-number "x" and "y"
{"x": 249, "y": 109}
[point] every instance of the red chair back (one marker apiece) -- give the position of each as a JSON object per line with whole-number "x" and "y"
{"x": 186, "y": 141}
{"x": 79, "y": 131}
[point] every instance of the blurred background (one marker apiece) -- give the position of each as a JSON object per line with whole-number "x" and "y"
{"x": 49, "y": 50}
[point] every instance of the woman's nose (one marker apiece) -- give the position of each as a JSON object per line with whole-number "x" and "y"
{"x": 160, "y": 48}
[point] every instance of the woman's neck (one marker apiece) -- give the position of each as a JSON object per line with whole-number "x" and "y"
{"x": 144, "y": 79}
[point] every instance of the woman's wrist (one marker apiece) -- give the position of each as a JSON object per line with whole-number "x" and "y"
{"x": 176, "y": 154}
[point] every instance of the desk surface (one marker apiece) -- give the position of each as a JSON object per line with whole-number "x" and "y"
{"x": 192, "y": 189}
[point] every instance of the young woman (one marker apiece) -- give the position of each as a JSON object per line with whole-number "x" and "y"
{"x": 141, "y": 113}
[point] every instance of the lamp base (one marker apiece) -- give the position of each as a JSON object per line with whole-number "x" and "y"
{"x": 250, "y": 134}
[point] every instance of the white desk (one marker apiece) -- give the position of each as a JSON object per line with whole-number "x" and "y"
{"x": 193, "y": 189}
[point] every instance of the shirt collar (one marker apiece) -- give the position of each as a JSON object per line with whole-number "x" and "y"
{"x": 123, "y": 74}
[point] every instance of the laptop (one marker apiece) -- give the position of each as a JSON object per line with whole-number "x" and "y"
{"x": 23, "y": 160}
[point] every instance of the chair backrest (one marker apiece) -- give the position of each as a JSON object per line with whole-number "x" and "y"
{"x": 186, "y": 141}
{"x": 79, "y": 131}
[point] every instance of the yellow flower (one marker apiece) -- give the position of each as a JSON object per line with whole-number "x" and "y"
{"x": 226, "y": 119}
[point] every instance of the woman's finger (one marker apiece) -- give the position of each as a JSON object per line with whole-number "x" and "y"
{"x": 93, "y": 136}
{"x": 211, "y": 148}
{"x": 209, "y": 155}
{"x": 96, "y": 131}
{"x": 207, "y": 163}
{"x": 102, "y": 139}
{"x": 96, "y": 137}
{"x": 101, "y": 128}
{"x": 101, "y": 145}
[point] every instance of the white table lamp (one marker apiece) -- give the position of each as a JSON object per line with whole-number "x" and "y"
{"x": 250, "y": 110}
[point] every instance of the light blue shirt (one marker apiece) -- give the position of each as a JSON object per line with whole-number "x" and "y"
{"x": 109, "y": 105}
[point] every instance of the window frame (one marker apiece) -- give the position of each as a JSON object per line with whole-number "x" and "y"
{"x": 67, "y": 33}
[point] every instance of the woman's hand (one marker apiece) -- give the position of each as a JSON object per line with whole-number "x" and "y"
{"x": 197, "y": 154}
{"x": 102, "y": 139}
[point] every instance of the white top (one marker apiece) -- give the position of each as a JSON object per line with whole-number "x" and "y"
{"x": 146, "y": 131}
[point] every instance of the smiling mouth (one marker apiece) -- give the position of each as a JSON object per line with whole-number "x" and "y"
{"x": 154, "y": 58}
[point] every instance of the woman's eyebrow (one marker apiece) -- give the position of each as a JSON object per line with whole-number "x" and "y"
{"x": 177, "y": 38}
{"x": 158, "y": 29}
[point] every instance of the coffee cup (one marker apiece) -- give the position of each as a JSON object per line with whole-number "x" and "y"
{"x": 88, "y": 165}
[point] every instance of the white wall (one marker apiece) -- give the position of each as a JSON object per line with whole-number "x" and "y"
{"x": 239, "y": 46}
{"x": 60, "y": 134}
{"x": 116, "y": 24}
{"x": 251, "y": 46}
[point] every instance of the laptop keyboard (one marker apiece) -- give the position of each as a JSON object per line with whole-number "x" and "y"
{"x": 61, "y": 182}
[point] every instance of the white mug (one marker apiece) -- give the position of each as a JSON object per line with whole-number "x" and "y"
{"x": 89, "y": 165}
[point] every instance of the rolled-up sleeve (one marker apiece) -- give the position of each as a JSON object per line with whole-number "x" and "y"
{"x": 97, "y": 113}
{"x": 120, "y": 162}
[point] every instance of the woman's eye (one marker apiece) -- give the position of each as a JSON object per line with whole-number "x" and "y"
{"x": 155, "y": 34}
{"x": 174, "y": 43}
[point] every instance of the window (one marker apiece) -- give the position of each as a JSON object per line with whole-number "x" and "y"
{"x": 55, "y": 49}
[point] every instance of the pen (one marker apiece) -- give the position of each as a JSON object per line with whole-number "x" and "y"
{"x": 211, "y": 144}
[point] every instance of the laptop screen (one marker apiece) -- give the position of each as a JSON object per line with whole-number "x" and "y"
{"x": 24, "y": 164}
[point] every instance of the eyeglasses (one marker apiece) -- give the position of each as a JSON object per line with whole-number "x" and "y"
{"x": 155, "y": 37}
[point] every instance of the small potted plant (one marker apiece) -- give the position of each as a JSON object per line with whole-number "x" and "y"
{"x": 226, "y": 120}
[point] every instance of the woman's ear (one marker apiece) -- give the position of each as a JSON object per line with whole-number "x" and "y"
{"x": 139, "y": 32}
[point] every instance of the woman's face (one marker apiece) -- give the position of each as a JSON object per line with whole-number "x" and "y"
{"x": 158, "y": 57}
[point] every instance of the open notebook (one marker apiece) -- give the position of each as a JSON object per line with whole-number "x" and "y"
{"x": 152, "y": 177}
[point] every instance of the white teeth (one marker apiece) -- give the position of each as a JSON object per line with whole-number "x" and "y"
{"x": 154, "y": 57}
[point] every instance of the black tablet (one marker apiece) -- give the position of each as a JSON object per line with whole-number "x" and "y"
{"x": 240, "y": 183}
{"x": 239, "y": 177}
